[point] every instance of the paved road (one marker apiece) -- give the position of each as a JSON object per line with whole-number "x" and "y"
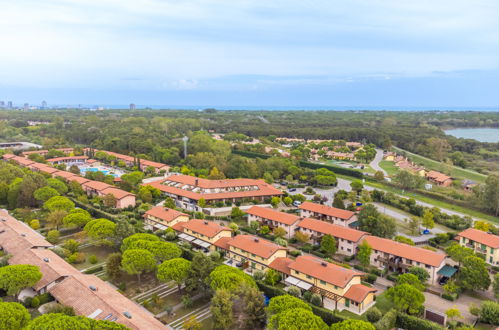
{"x": 375, "y": 163}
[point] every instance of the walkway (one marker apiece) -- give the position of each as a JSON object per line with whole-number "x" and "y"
{"x": 375, "y": 162}
{"x": 200, "y": 314}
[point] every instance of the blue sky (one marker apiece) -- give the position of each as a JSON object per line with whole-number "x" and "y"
{"x": 270, "y": 53}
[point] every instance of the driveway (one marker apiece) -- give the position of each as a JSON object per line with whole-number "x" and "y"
{"x": 375, "y": 162}
{"x": 435, "y": 303}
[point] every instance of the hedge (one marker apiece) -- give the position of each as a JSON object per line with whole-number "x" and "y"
{"x": 269, "y": 290}
{"x": 94, "y": 270}
{"x": 449, "y": 296}
{"x": 388, "y": 320}
{"x": 409, "y": 322}
{"x": 187, "y": 254}
{"x": 326, "y": 315}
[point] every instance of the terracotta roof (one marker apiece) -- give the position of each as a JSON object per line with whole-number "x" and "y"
{"x": 256, "y": 245}
{"x": 327, "y": 210}
{"x": 48, "y": 169}
{"x": 23, "y": 161}
{"x": 338, "y": 231}
{"x": 51, "y": 265}
{"x": 79, "y": 179}
{"x": 204, "y": 227}
{"x": 92, "y": 297}
{"x": 481, "y": 237}
{"x": 96, "y": 185}
{"x": 143, "y": 162}
{"x": 164, "y": 213}
{"x": 282, "y": 265}
{"x": 65, "y": 175}
{"x": 222, "y": 242}
{"x": 325, "y": 271}
{"x": 8, "y": 156}
{"x": 273, "y": 215}
{"x": 437, "y": 176}
{"x": 38, "y": 165}
{"x": 91, "y": 161}
{"x": 65, "y": 150}
{"x": 406, "y": 251}
{"x": 117, "y": 193}
{"x": 179, "y": 226}
{"x": 66, "y": 158}
{"x": 358, "y": 292}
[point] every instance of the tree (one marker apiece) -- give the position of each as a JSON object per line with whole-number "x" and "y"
{"x": 13, "y": 316}
{"x": 169, "y": 203}
{"x": 302, "y": 237}
{"x": 482, "y": 225}
{"x": 279, "y": 232}
{"x": 406, "y": 298}
{"x": 229, "y": 278}
{"x": 453, "y": 314}
{"x": 109, "y": 200}
{"x": 53, "y": 236}
{"x": 201, "y": 202}
{"x": 488, "y": 193}
{"x": 357, "y": 186}
{"x": 410, "y": 279}
{"x": 236, "y": 213}
{"x": 254, "y": 308}
{"x": 408, "y": 180}
{"x": 71, "y": 245}
{"x": 45, "y": 193}
{"x": 145, "y": 194}
{"x": 138, "y": 261}
{"x": 56, "y": 218}
{"x": 364, "y": 254}
{"x": 379, "y": 176}
{"x": 421, "y": 273}
{"x": 76, "y": 218}
{"x": 101, "y": 231}
{"x": 275, "y": 201}
{"x": 438, "y": 148}
{"x": 215, "y": 174}
{"x": 62, "y": 321}
{"x": 473, "y": 274}
{"x": 264, "y": 230}
{"x": 175, "y": 269}
{"x": 458, "y": 253}
{"x": 414, "y": 223}
{"x": 495, "y": 285}
{"x": 373, "y": 314}
{"x": 287, "y": 200}
{"x": 279, "y": 304}
{"x": 14, "y": 278}
{"x": 57, "y": 185}
{"x": 428, "y": 219}
{"x": 338, "y": 202}
{"x": 328, "y": 245}
{"x": 296, "y": 318}
{"x": 113, "y": 265}
{"x": 381, "y": 226}
{"x": 272, "y": 277}
{"x": 57, "y": 203}
{"x": 352, "y": 325}
{"x": 198, "y": 275}
{"x": 221, "y": 309}
{"x": 489, "y": 312}
{"x": 191, "y": 323}
{"x": 127, "y": 242}
{"x": 161, "y": 250}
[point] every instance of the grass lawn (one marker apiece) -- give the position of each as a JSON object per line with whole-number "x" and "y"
{"x": 207, "y": 324}
{"x": 101, "y": 252}
{"x": 382, "y": 303}
{"x": 389, "y": 167}
{"x": 431, "y": 164}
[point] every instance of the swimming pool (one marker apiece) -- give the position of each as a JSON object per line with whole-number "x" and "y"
{"x": 84, "y": 170}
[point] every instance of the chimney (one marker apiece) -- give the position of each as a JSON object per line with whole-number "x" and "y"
{"x": 46, "y": 259}
{"x": 256, "y": 239}
{"x": 323, "y": 263}
{"x": 93, "y": 288}
{"x": 206, "y": 222}
{"x": 196, "y": 182}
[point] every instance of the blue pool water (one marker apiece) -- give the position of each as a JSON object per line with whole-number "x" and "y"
{"x": 94, "y": 169}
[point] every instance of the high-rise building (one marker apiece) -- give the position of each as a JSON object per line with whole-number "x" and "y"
{"x": 44, "y": 104}
{"x": 2, "y": 104}
{"x": 26, "y": 106}
{"x": 132, "y": 106}
{"x": 9, "y": 105}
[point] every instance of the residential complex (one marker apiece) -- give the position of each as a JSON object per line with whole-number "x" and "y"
{"x": 328, "y": 213}
{"x": 162, "y": 218}
{"x": 399, "y": 257}
{"x": 132, "y": 161}
{"x": 274, "y": 219}
{"x": 189, "y": 189}
{"x": 202, "y": 233}
{"x": 88, "y": 295}
{"x": 482, "y": 242}
{"x": 439, "y": 178}
{"x": 67, "y": 151}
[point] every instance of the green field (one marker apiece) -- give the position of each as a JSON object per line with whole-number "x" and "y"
{"x": 389, "y": 167}
{"x": 430, "y": 164}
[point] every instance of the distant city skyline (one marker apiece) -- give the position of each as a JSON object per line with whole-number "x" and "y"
{"x": 259, "y": 53}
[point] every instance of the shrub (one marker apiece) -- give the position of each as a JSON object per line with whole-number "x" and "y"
{"x": 409, "y": 322}
{"x": 449, "y": 296}
{"x": 45, "y": 298}
{"x": 94, "y": 270}
{"x": 28, "y": 300}
{"x": 316, "y": 300}
{"x": 295, "y": 253}
{"x": 122, "y": 286}
{"x": 76, "y": 258}
{"x": 326, "y": 315}
{"x": 373, "y": 314}
{"x": 35, "y": 302}
{"x": 376, "y": 271}
{"x": 53, "y": 236}
{"x": 294, "y": 291}
{"x": 392, "y": 277}
{"x": 388, "y": 320}
{"x": 489, "y": 312}
{"x": 92, "y": 259}
{"x": 270, "y": 291}
{"x": 359, "y": 267}
{"x": 371, "y": 278}
{"x": 258, "y": 275}
{"x": 307, "y": 295}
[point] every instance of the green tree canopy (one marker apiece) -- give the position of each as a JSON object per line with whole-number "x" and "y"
{"x": 45, "y": 193}
{"x": 135, "y": 237}
{"x": 175, "y": 269}
{"x": 364, "y": 254}
{"x": 283, "y": 303}
{"x": 410, "y": 279}
{"x": 352, "y": 325}
{"x": 229, "y": 278}
{"x": 57, "y": 185}
{"x": 14, "y": 278}
{"x": 161, "y": 250}
{"x": 59, "y": 203}
{"x": 328, "y": 245}
{"x": 101, "y": 231}
{"x": 296, "y": 318}
{"x": 420, "y": 272}
{"x": 76, "y": 218}
{"x": 458, "y": 253}
{"x": 473, "y": 274}
{"x": 138, "y": 261}
{"x": 13, "y": 316}
{"x": 406, "y": 298}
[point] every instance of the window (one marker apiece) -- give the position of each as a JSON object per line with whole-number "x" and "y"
{"x": 323, "y": 282}
{"x": 309, "y": 277}
{"x": 491, "y": 251}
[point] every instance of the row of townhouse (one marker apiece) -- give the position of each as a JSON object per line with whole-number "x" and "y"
{"x": 88, "y": 295}
{"x": 340, "y": 288}
{"x": 66, "y": 151}
{"x": 130, "y": 161}
{"x": 123, "y": 198}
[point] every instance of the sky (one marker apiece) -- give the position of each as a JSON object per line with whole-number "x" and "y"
{"x": 367, "y": 53}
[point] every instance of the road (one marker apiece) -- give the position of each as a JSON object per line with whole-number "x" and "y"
{"x": 375, "y": 162}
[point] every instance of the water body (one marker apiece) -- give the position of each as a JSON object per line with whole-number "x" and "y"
{"x": 479, "y": 134}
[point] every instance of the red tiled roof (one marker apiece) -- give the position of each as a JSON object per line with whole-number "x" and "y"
{"x": 255, "y": 245}
{"x": 51, "y": 160}
{"x": 79, "y": 179}
{"x": 117, "y": 193}
{"x": 273, "y": 215}
{"x": 48, "y": 169}
{"x": 437, "y": 176}
{"x": 322, "y": 270}
{"x": 65, "y": 175}
{"x": 481, "y": 237}
{"x": 164, "y": 213}
{"x": 358, "y": 292}
{"x": 8, "y": 156}
{"x": 204, "y": 227}
{"x": 282, "y": 265}
{"x": 222, "y": 242}
{"x": 327, "y": 210}
{"x": 96, "y": 185}
{"x": 179, "y": 226}
{"x": 38, "y": 165}
{"x": 338, "y": 231}
{"x": 406, "y": 251}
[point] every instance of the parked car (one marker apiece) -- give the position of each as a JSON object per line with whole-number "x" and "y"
{"x": 296, "y": 203}
{"x": 292, "y": 189}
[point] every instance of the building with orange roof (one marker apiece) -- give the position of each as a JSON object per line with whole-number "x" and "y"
{"x": 68, "y": 176}
{"x": 439, "y": 178}
{"x": 482, "y": 242}
{"x": 69, "y": 160}
{"x": 123, "y": 198}
{"x": 161, "y": 218}
{"x": 44, "y": 153}
{"x": 190, "y": 190}
{"x": 327, "y": 213}
{"x": 131, "y": 161}
{"x": 346, "y": 238}
{"x": 273, "y": 219}
{"x": 254, "y": 253}
{"x": 399, "y": 257}
{"x": 339, "y": 287}
{"x": 203, "y": 233}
